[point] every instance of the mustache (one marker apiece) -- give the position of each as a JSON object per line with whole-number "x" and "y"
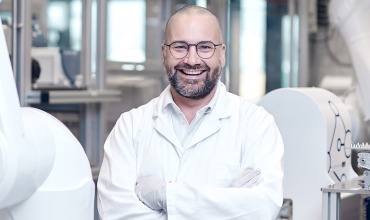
{"x": 191, "y": 67}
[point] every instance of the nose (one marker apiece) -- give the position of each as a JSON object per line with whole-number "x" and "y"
{"x": 192, "y": 57}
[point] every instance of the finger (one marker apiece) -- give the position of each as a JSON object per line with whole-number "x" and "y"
{"x": 247, "y": 175}
{"x": 253, "y": 182}
{"x": 250, "y": 174}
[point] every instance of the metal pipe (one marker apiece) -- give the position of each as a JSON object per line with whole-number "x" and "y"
{"x": 303, "y": 67}
{"x": 101, "y": 43}
{"x": 291, "y": 9}
{"x": 14, "y": 37}
{"x": 86, "y": 43}
{"x": 23, "y": 46}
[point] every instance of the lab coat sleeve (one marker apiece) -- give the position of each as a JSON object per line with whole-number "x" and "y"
{"x": 117, "y": 178}
{"x": 260, "y": 202}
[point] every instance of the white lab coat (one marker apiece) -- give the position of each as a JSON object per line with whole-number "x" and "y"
{"x": 235, "y": 135}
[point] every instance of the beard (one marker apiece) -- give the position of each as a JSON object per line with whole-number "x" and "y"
{"x": 193, "y": 88}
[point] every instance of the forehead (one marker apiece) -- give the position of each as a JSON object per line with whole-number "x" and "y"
{"x": 193, "y": 28}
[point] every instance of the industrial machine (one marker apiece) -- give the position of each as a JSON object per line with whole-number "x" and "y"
{"x": 352, "y": 19}
{"x": 318, "y": 129}
{"x": 44, "y": 171}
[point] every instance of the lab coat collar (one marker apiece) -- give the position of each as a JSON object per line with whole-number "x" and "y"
{"x": 222, "y": 106}
{"x": 221, "y": 109}
{"x": 220, "y": 102}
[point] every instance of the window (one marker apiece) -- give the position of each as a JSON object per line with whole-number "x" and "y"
{"x": 126, "y": 23}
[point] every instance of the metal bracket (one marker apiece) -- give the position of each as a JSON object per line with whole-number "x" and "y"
{"x": 364, "y": 162}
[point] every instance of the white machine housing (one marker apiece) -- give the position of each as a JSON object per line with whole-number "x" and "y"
{"x": 316, "y": 130}
{"x": 44, "y": 171}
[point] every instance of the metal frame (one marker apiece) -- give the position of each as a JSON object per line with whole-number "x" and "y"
{"x": 86, "y": 42}
{"x": 153, "y": 64}
{"x": 234, "y": 47}
{"x": 331, "y": 196}
{"x": 304, "y": 49}
{"x": 73, "y": 97}
{"x": 221, "y": 8}
{"x": 93, "y": 128}
{"x": 22, "y": 47}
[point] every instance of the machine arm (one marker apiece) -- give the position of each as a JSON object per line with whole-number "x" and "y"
{"x": 44, "y": 171}
{"x": 352, "y": 18}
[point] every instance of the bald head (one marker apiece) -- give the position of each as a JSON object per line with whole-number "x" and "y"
{"x": 193, "y": 10}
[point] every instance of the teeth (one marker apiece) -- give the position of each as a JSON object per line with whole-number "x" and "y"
{"x": 192, "y": 72}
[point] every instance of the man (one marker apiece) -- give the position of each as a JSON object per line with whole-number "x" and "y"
{"x": 196, "y": 151}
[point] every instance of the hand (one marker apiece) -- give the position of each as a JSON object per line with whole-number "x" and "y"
{"x": 250, "y": 177}
{"x": 151, "y": 191}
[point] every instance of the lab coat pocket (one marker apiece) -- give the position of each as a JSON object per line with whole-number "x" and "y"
{"x": 225, "y": 173}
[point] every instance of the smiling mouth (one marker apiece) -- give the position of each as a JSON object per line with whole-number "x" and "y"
{"x": 192, "y": 72}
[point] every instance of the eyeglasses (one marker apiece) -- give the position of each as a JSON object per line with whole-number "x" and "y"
{"x": 180, "y": 49}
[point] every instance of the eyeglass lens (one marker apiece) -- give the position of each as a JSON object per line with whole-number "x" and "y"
{"x": 204, "y": 49}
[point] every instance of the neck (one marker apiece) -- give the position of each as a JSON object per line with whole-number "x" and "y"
{"x": 188, "y": 106}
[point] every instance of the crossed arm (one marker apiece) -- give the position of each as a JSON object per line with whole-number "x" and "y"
{"x": 151, "y": 190}
{"x": 255, "y": 194}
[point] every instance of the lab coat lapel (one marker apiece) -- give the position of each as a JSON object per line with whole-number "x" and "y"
{"x": 161, "y": 125}
{"x": 167, "y": 131}
{"x": 212, "y": 122}
{"x": 207, "y": 128}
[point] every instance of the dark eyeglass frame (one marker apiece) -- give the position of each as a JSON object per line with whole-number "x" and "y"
{"x": 196, "y": 48}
